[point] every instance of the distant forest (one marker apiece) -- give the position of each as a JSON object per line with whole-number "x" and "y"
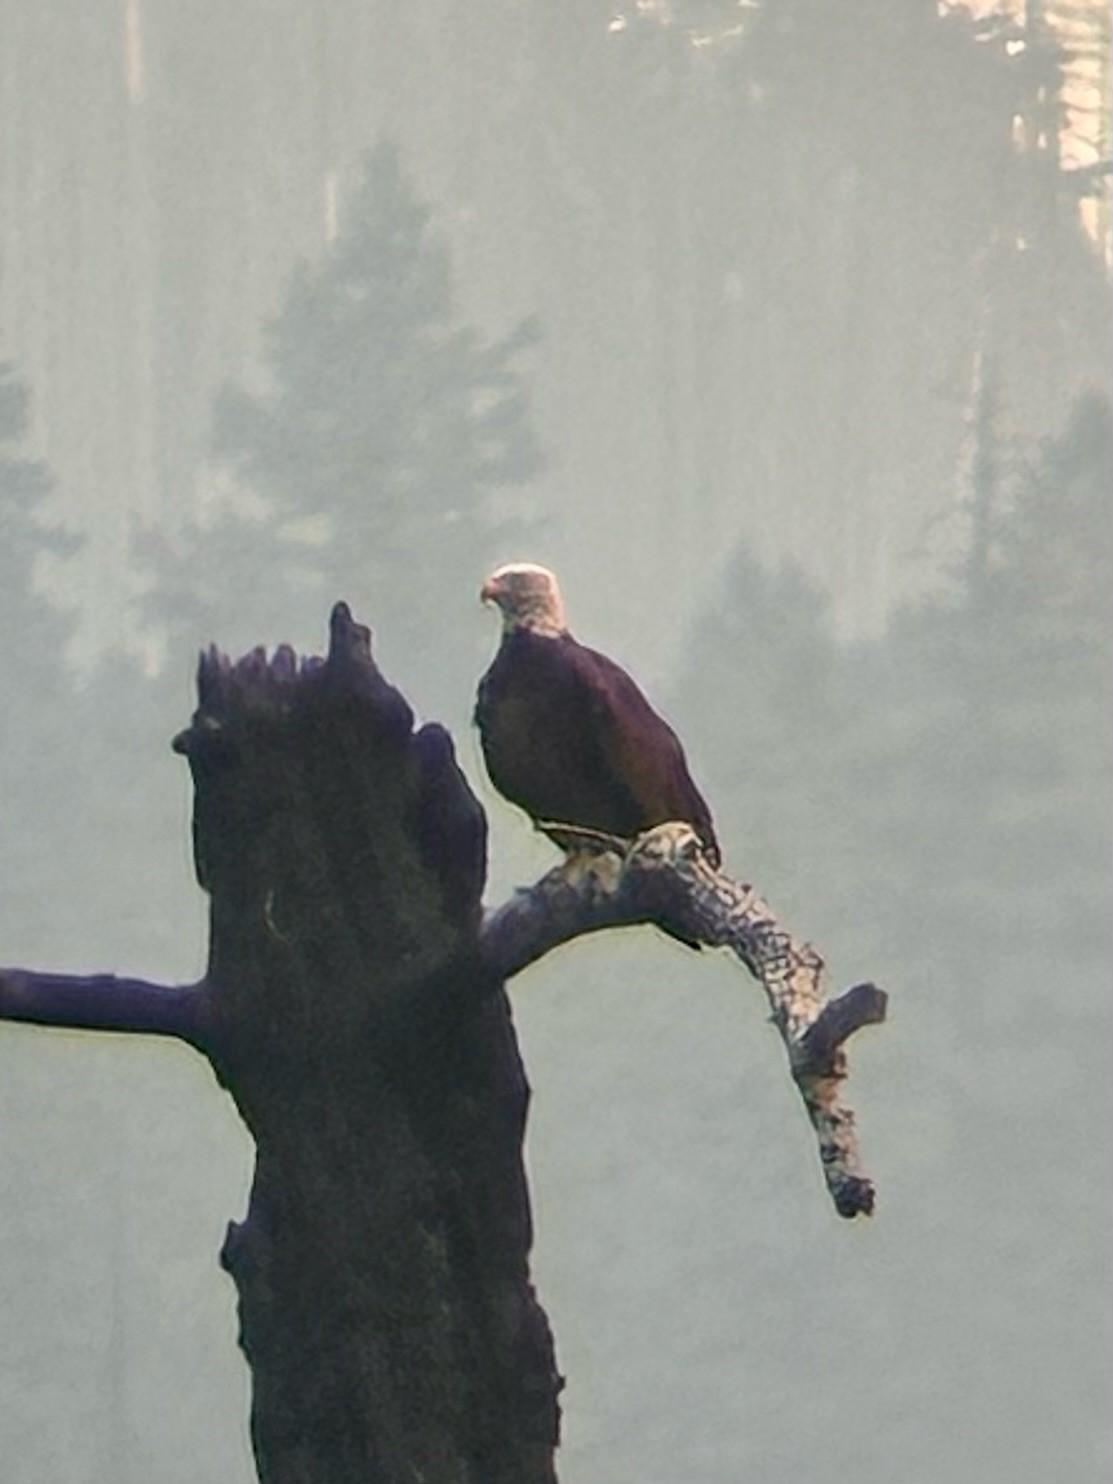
{"x": 922, "y": 321}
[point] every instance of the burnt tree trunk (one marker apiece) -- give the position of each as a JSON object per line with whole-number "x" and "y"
{"x": 385, "y": 1304}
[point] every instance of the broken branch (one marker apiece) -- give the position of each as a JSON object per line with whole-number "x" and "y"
{"x": 664, "y": 877}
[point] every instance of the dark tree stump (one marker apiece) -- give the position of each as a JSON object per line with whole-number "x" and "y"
{"x": 385, "y": 1304}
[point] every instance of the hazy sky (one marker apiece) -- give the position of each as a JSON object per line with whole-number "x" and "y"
{"x": 161, "y": 172}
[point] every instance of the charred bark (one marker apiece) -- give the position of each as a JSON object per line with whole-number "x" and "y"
{"x": 385, "y": 1305}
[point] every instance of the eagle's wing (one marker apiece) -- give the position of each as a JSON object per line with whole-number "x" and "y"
{"x": 638, "y": 747}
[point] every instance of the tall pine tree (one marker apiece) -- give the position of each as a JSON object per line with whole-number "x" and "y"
{"x": 377, "y": 462}
{"x": 37, "y": 632}
{"x": 33, "y": 672}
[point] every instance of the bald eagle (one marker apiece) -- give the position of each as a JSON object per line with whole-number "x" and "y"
{"x": 566, "y": 734}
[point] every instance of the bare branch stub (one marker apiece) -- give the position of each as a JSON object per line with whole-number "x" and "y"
{"x": 664, "y": 877}
{"x": 106, "y": 1002}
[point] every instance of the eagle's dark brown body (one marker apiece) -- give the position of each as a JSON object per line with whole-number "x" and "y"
{"x": 569, "y": 737}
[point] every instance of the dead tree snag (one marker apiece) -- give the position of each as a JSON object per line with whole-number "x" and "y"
{"x": 353, "y": 1007}
{"x": 382, "y": 1269}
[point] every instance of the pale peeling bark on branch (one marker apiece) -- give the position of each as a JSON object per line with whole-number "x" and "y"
{"x": 664, "y": 877}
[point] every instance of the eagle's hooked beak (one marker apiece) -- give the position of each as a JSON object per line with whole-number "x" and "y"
{"x": 488, "y": 593}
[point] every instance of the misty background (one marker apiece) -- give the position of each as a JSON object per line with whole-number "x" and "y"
{"x": 781, "y": 331}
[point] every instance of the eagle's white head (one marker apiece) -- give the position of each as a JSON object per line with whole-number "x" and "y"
{"x": 528, "y": 597}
